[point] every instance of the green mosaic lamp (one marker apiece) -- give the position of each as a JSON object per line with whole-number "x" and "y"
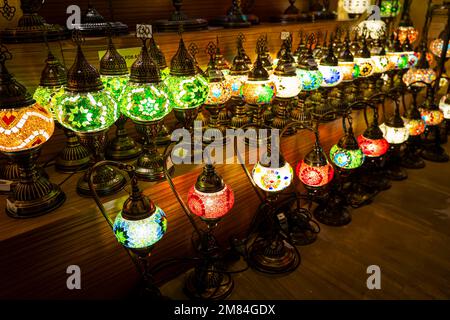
{"x": 114, "y": 76}
{"x": 73, "y": 157}
{"x": 146, "y": 102}
{"x": 187, "y": 89}
{"x": 89, "y": 110}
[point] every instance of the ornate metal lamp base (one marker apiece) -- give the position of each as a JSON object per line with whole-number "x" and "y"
{"x": 122, "y": 147}
{"x": 302, "y": 229}
{"x": 435, "y": 154}
{"x": 395, "y": 172}
{"x": 208, "y": 283}
{"x": 10, "y": 171}
{"x": 333, "y": 212}
{"x": 149, "y": 167}
{"x": 74, "y": 157}
{"x": 412, "y": 161}
{"x": 163, "y": 137}
{"x": 34, "y": 194}
{"x": 273, "y": 256}
{"x": 93, "y": 24}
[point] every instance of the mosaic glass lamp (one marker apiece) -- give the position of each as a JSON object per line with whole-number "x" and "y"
{"x": 146, "y": 102}
{"x": 114, "y": 75}
{"x": 350, "y": 69}
{"x": 272, "y": 178}
{"x": 412, "y": 56}
{"x": 421, "y": 74}
{"x": 346, "y": 154}
{"x": 356, "y": 6}
{"x": 89, "y": 110}
{"x": 364, "y": 60}
{"x": 396, "y": 55}
{"x": 371, "y": 141}
{"x": 437, "y": 45}
{"x": 444, "y": 106}
{"x": 308, "y": 71}
{"x": 332, "y": 74}
{"x": 25, "y": 126}
{"x": 389, "y": 8}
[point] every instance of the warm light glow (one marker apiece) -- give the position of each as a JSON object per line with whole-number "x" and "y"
{"x": 373, "y": 147}
{"x": 394, "y": 135}
{"x": 25, "y": 128}
{"x": 314, "y": 176}
{"x": 409, "y": 32}
{"x": 210, "y": 205}
{"x": 258, "y": 92}
{"x": 432, "y": 117}
{"x": 382, "y": 64}
{"x": 346, "y": 158}
{"x": 332, "y": 76}
{"x": 272, "y": 179}
{"x": 145, "y": 102}
{"x": 398, "y": 59}
{"x": 413, "y": 75}
{"x": 436, "y": 48}
{"x": 115, "y": 85}
{"x": 219, "y": 92}
{"x": 375, "y": 28}
{"x": 140, "y": 234}
{"x": 236, "y": 82}
{"x": 412, "y": 59}
{"x": 366, "y": 66}
{"x": 287, "y": 86}
{"x": 444, "y": 106}
{"x": 356, "y": 6}
{"x": 415, "y": 126}
{"x": 44, "y": 96}
{"x": 311, "y": 79}
{"x": 430, "y": 57}
{"x": 187, "y": 92}
{"x": 389, "y": 8}
{"x": 350, "y": 70}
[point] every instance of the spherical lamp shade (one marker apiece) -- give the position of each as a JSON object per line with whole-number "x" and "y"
{"x": 444, "y": 106}
{"x": 272, "y": 179}
{"x": 331, "y": 75}
{"x": 85, "y": 112}
{"x": 366, "y": 66}
{"x": 143, "y": 103}
{"x": 382, "y": 64}
{"x": 219, "y": 92}
{"x": 356, "y": 6}
{"x": 142, "y": 233}
{"x": 412, "y": 59}
{"x": 407, "y": 32}
{"x": 374, "y": 28}
{"x": 25, "y": 128}
{"x": 350, "y": 70}
{"x": 44, "y": 96}
{"x": 436, "y": 48}
{"x": 432, "y": 117}
{"x": 258, "y": 92}
{"x": 389, "y": 8}
{"x": 311, "y": 79}
{"x": 187, "y": 92}
{"x": 314, "y": 176}
{"x": 399, "y": 60}
{"x": 236, "y": 82}
{"x": 114, "y": 84}
{"x": 346, "y": 158}
{"x": 373, "y": 147}
{"x": 394, "y": 135}
{"x": 415, "y": 126}
{"x": 287, "y": 86}
{"x": 210, "y": 205}
{"x": 416, "y": 74}
{"x": 429, "y": 56}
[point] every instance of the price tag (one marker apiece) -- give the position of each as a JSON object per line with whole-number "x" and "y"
{"x": 285, "y": 35}
{"x": 144, "y": 31}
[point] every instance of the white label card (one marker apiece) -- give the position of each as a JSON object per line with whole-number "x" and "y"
{"x": 285, "y": 35}
{"x": 144, "y": 31}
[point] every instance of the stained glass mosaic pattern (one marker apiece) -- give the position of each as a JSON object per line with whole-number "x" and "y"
{"x": 311, "y": 79}
{"x": 258, "y": 92}
{"x": 145, "y": 102}
{"x": 236, "y": 82}
{"x": 287, "y": 86}
{"x": 86, "y": 112}
{"x": 115, "y": 85}
{"x": 332, "y": 76}
{"x": 373, "y": 147}
{"x": 314, "y": 176}
{"x": 436, "y": 48}
{"x": 187, "y": 92}
{"x": 394, "y": 135}
{"x": 350, "y": 70}
{"x": 413, "y": 75}
{"x": 219, "y": 93}
{"x": 409, "y": 32}
{"x": 140, "y": 234}
{"x": 389, "y": 8}
{"x": 444, "y": 106}
{"x": 366, "y": 66}
{"x": 272, "y": 179}
{"x": 398, "y": 59}
{"x": 25, "y": 128}
{"x": 432, "y": 117}
{"x": 44, "y": 96}
{"x": 346, "y": 158}
{"x": 210, "y": 205}
{"x": 382, "y": 64}
{"x": 415, "y": 126}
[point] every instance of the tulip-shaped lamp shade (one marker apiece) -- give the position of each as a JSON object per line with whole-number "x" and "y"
{"x": 187, "y": 89}
{"x": 356, "y": 6}
{"x": 140, "y": 224}
{"x": 315, "y": 171}
{"x": 210, "y": 198}
{"x": 444, "y": 106}
{"x": 273, "y": 178}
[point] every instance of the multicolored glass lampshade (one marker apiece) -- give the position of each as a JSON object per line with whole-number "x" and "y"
{"x": 287, "y": 86}
{"x": 145, "y": 102}
{"x": 236, "y": 82}
{"x": 429, "y": 56}
{"x": 444, "y": 106}
{"x": 331, "y": 75}
{"x": 25, "y": 127}
{"x": 142, "y": 233}
{"x": 350, "y": 70}
{"x": 436, "y": 48}
{"x": 86, "y": 111}
{"x": 44, "y": 96}
{"x": 114, "y": 84}
{"x": 374, "y": 28}
{"x": 219, "y": 93}
{"x": 346, "y": 158}
{"x": 382, "y": 64}
{"x": 311, "y": 79}
{"x": 432, "y": 117}
{"x": 400, "y": 60}
{"x": 258, "y": 92}
{"x": 314, "y": 176}
{"x": 373, "y": 147}
{"x": 412, "y": 59}
{"x": 356, "y": 6}
{"x": 272, "y": 179}
{"x": 389, "y": 8}
{"x": 366, "y": 66}
{"x": 418, "y": 74}
{"x": 415, "y": 126}
{"x": 187, "y": 92}
{"x": 394, "y": 135}
{"x": 407, "y": 31}
{"x": 210, "y": 205}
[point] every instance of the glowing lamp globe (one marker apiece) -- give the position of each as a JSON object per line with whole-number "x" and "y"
{"x": 315, "y": 171}
{"x": 310, "y": 79}
{"x": 374, "y": 28}
{"x": 407, "y": 32}
{"x": 258, "y": 92}
{"x": 236, "y": 81}
{"x": 346, "y": 154}
{"x": 238, "y": 72}
{"x": 432, "y": 117}
{"x": 444, "y": 106}
{"x": 273, "y": 179}
{"x": 285, "y": 78}
{"x": 394, "y": 135}
{"x": 210, "y": 198}
{"x": 436, "y": 48}
{"x": 373, "y": 147}
{"x": 186, "y": 89}
{"x": 382, "y": 63}
{"x": 356, "y": 6}
{"x": 350, "y": 71}
{"x": 389, "y": 8}
{"x": 398, "y": 59}
{"x": 415, "y": 126}
{"x": 219, "y": 90}
{"x": 366, "y": 66}
{"x": 332, "y": 75}
{"x": 417, "y": 74}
